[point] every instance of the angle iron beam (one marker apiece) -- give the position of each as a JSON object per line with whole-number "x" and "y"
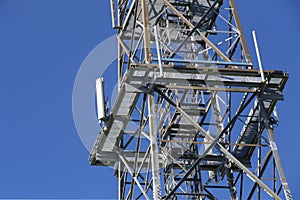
{"x": 202, "y": 81}
{"x": 131, "y": 55}
{"x": 239, "y": 26}
{"x": 208, "y": 62}
{"x": 208, "y": 70}
{"x": 145, "y": 17}
{"x": 154, "y": 148}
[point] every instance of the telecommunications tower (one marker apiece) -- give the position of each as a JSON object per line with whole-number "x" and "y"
{"x": 194, "y": 117}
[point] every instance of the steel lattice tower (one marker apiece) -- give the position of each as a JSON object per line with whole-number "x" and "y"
{"x": 194, "y": 118}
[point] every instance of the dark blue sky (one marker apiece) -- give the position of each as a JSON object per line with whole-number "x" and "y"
{"x": 42, "y": 45}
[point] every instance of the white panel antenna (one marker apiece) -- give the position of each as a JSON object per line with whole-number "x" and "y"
{"x": 100, "y": 99}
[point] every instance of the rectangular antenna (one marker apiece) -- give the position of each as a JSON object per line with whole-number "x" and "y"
{"x": 100, "y": 99}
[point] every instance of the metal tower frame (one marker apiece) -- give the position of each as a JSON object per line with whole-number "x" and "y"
{"x": 194, "y": 119}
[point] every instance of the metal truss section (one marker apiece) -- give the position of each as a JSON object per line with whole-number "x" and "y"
{"x": 193, "y": 118}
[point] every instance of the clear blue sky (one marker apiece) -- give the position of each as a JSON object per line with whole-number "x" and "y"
{"x": 43, "y": 43}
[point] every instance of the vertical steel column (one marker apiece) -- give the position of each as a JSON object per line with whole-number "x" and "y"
{"x": 158, "y": 50}
{"x": 119, "y": 181}
{"x": 112, "y": 10}
{"x": 270, "y": 132}
{"x": 259, "y": 164}
{"x": 119, "y": 65}
{"x": 154, "y": 148}
{"x": 241, "y": 184}
{"x": 146, "y": 31}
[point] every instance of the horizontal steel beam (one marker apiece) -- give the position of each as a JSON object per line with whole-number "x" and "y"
{"x": 207, "y": 62}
